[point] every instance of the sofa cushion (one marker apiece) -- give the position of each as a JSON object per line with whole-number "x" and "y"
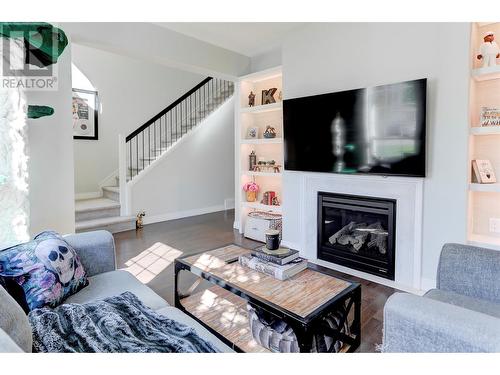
{"x": 14, "y": 323}
{"x": 113, "y": 283}
{"x": 483, "y": 306}
{"x": 42, "y": 272}
{"x": 178, "y": 315}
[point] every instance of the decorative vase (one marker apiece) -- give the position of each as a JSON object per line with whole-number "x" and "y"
{"x": 251, "y": 196}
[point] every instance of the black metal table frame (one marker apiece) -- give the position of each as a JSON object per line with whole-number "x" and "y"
{"x": 304, "y": 328}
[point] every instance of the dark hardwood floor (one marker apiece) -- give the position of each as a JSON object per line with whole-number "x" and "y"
{"x": 135, "y": 252}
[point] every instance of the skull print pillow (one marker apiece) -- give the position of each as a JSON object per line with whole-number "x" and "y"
{"x": 42, "y": 272}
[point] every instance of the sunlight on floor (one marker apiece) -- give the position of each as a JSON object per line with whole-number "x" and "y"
{"x": 149, "y": 263}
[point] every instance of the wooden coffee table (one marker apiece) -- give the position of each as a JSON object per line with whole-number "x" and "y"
{"x": 302, "y": 301}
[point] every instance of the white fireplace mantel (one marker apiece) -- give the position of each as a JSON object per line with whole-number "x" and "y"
{"x": 407, "y": 191}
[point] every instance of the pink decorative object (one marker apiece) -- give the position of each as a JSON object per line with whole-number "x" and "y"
{"x": 251, "y": 186}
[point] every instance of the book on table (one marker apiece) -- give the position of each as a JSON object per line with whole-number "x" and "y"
{"x": 277, "y": 257}
{"x": 280, "y": 272}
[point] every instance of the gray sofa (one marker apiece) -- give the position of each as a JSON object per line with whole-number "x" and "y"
{"x": 461, "y": 315}
{"x": 97, "y": 253}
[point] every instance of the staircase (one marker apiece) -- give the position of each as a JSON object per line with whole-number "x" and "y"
{"x": 147, "y": 144}
{"x": 153, "y": 139}
{"x": 102, "y": 213}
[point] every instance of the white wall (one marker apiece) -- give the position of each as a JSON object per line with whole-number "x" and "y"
{"x": 51, "y": 182}
{"x": 131, "y": 92}
{"x": 323, "y": 58}
{"x": 150, "y": 42}
{"x": 195, "y": 176}
{"x": 266, "y": 60}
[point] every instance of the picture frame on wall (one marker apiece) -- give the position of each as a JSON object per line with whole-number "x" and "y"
{"x": 85, "y": 114}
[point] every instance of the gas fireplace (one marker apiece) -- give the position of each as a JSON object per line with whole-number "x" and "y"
{"x": 357, "y": 232}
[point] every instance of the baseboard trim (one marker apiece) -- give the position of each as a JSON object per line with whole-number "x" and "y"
{"x": 229, "y": 203}
{"x": 182, "y": 214}
{"x": 90, "y": 195}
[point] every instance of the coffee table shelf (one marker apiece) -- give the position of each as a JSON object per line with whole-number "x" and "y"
{"x": 226, "y": 314}
{"x": 303, "y": 301}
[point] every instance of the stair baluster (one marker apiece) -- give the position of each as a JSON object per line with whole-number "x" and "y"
{"x": 175, "y": 121}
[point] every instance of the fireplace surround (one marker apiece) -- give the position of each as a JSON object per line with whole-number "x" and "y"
{"x": 357, "y": 232}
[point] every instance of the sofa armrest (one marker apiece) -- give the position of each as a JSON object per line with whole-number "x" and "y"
{"x": 470, "y": 270}
{"x": 416, "y": 324}
{"x": 7, "y": 345}
{"x": 96, "y": 251}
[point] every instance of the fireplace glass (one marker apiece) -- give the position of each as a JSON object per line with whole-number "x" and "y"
{"x": 357, "y": 232}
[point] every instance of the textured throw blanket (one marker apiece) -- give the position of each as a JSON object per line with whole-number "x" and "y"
{"x": 121, "y": 324}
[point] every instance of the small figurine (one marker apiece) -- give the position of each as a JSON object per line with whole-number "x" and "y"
{"x": 270, "y": 132}
{"x": 138, "y": 222}
{"x": 251, "y": 99}
{"x": 489, "y": 51}
{"x": 252, "y": 160}
{"x": 275, "y": 201}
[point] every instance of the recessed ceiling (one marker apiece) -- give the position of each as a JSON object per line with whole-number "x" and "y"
{"x": 247, "y": 38}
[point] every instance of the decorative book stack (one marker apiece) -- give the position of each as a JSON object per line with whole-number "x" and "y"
{"x": 280, "y": 264}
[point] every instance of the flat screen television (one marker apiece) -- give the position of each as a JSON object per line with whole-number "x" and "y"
{"x": 377, "y": 130}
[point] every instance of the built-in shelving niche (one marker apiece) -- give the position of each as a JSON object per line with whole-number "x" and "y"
{"x": 259, "y": 116}
{"x": 484, "y": 199}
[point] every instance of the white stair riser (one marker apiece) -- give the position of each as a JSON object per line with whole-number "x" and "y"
{"x": 111, "y": 195}
{"x": 113, "y": 228}
{"x": 97, "y": 214}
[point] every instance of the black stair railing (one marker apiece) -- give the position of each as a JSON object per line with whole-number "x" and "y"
{"x": 148, "y": 142}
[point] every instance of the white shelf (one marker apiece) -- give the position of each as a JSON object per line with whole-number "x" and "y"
{"x": 262, "y": 141}
{"x": 261, "y": 207}
{"x": 485, "y": 130}
{"x": 484, "y": 74}
{"x": 263, "y": 108}
{"x": 264, "y": 174}
{"x": 483, "y": 240}
{"x": 492, "y": 188}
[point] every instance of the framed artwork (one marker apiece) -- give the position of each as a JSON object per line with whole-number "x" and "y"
{"x": 252, "y": 133}
{"x": 85, "y": 109}
{"x": 483, "y": 172}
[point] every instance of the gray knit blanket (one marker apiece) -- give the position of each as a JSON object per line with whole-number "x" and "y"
{"x": 120, "y": 324}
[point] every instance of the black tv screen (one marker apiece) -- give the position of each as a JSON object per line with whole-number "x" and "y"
{"x": 377, "y": 130}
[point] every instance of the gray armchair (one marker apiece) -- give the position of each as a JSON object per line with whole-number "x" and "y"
{"x": 461, "y": 315}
